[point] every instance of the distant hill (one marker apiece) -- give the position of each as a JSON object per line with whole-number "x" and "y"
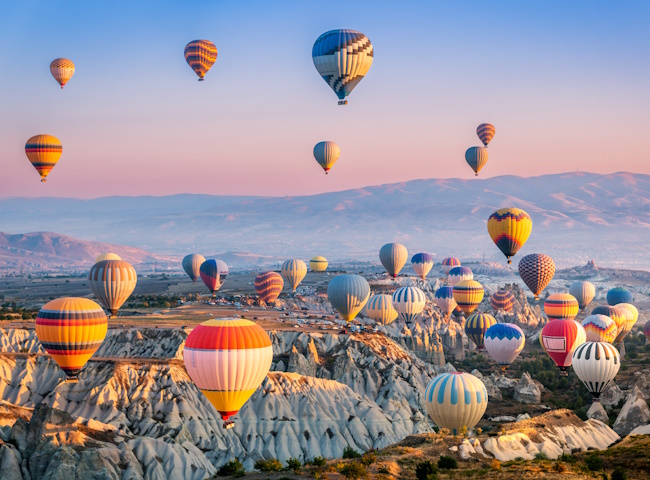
{"x": 576, "y": 216}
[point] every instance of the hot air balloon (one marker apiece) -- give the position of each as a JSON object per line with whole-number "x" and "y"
{"x": 504, "y": 342}
{"x": 619, "y": 295}
{"x": 393, "y": 256}
{"x": 584, "y": 292}
{"x": 213, "y": 273}
{"x": 444, "y": 298}
{"x": 326, "y": 154}
{"x": 107, "y": 256}
{"x": 509, "y": 228}
{"x": 342, "y": 58}
{"x": 631, "y": 314}
{"x": 112, "y": 282}
{"x": 536, "y": 270}
{"x": 646, "y": 330}
{"x": 294, "y": 271}
{"x": 503, "y": 300}
{"x": 200, "y": 55}
{"x": 422, "y": 263}
{"x": 409, "y": 302}
{"x": 348, "y": 294}
{"x": 71, "y": 330}
{"x": 600, "y": 328}
{"x": 269, "y": 285}
{"x": 561, "y": 305}
{"x": 560, "y": 338}
{"x": 318, "y": 264}
{"x": 458, "y": 274}
{"x": 449, "y": 263}
{"x": 228, "y": 359}
{"x": 192, "y": 265}
{"x": 596, "y": 364}
{"x": 485, "y": 132}
{"x": 380, "y": 309}
{"x": 458, "y": 312}
{"x": 468, "y": 294}
{"x": 476, "y": 158}
{"x": 476, "y": 326}
{"x": 455, "y": 401}
{"x": 43, "y": 151}
{"x": 615, "y": 313}
{"x": 62, "y": 69}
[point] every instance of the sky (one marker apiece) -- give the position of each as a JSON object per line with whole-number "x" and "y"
{"x": 565, "y": 84}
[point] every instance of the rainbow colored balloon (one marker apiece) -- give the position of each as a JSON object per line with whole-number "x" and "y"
{"x": 449, "y": 263}
{"x": 599, "y": 328}
{"x": 509, "y": 228}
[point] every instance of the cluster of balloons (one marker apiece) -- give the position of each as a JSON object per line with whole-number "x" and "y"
{"x": 477, "y": 157}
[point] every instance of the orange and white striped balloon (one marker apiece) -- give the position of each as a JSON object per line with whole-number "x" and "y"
{"x": 228, "y": 359}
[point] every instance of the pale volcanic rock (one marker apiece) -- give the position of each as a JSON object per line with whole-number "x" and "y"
{"x": 527, "y": 391}
{"x": 597, "y": 412}
{"x": 634, "y": 413}
{"x": 612, "y": 395}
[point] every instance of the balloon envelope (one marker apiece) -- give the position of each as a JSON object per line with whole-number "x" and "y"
{"x": 619, "y": 295}
{"x": 476, "y": 326}
{"x": 213, "y": 273}
{"x": 348, "y": 294}
{"x": 631, "y": 314}
{"x": 326, "y": 154}
{"x": 107, "y": 256}
{"x": 342, "y": 58}
{"x": 600, "y": 328}
{"x": 458, "y": 274}
{"x": 485, "y": 132}
{"x": 393, "y": 256}
{"x": 62, "y": 69}
{"x": 596, "y": 364}
{"x": 409, "y": 302}
{"x": 43, "y": 152}
{"x": 468, "y": 294}
{"x": 71, "y": 330}
{"x": 561, "y": 305}
{"x": 509, "y": 228}
{"x": 615, "y": 313}
{"x": 294, "y": 271}
{"x": 449, "y": 263}
{"x": 192, "y": 265}
{"x": 560, "y": 338}
{"x": 504, "y": 342}
{"x": 584, "y": 292}
{"x": 444, "y": 298}
{"x": 422, "y": 263}
{"x": 200, "y": 55}
{"x": 318, "y": 264}
{"x": 268, "y": 286}
{"x": 536, "y": 270}
{"x": 502, "y": 300}
{"x": 455, "y": 401}
{"x": 476, "y": 158}
{"x": 228, "y": 359}
{"x": 380, "y": 309}
{"x": 112, "y": 282}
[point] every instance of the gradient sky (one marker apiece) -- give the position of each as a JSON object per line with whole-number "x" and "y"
{"x": 565, "y": 83}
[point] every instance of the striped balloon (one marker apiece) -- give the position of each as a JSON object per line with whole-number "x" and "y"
{"x": 600, "y": 328}
{"x": 112, "y": 282}
{"x": 458, "y": 274}
{"x": 468, "y": 294}
{"x": 615, "y": 313}
{"x": 228, "y": 359}
{"x": 476, "y": 326}
{"x": 502, "y": 300}
{"x": 561, "y": 305}
{"x": 584, "y": 292}
{"x": 444, "y": 298}
{"x": 318, "y": 264}
{"x": 213, "y": 273}
{"x": 619, "y": 295}
{"x": 342, "y": 58}
{"x": 560, "y": 338}
{"x": 107, "y": 256}
{"x": 455, "y": 401}
{"x": 422, "y": 264}
{"x": 409, "y": 302}
{"x": 268, "y": 286}
{"x": 62, "y": 69}
{"x": 43, "y": 151}
{"x": 380, "y": 309}
{"x": 192, "y": 265}
{"x": 596, "y": 364}
{"x": 71, "y": 330}
{"x": 485, "y": 132}
{"x": 294, "y": 271}
{"x": 393, "y": 257}
{"x": 504, "y": 342}
{"x": 449, "y": 263}
{"x": 200, "y": 55}
{"x": 326, "y": 154}
{"x": 536, "y": 270}
{"x": 509, "y": 228}
{"x": 631, "y": 315}
{"x": 646, "y": 330}
{"x": 348, "y": 294}
{"x": 476, "y": 158}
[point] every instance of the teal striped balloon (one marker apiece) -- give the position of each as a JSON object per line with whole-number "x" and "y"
{"x": 348, "y": 294}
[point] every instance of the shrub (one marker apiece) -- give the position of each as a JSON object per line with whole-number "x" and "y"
{"x": 426, "y": 470}
{"x": 353, "y": 470}
{"x": 560, "y": 467}
{"x": 444, "y": 432}
{"x": 369, "y": 458}
{"x": 619, "y": 473}
{"x": 272, "y": 465}
{"x": 496, "y": 465}
{"x": 594, "y": 463}
{"x": 294, "y": 464}
{"x": 234, "y": 468}
{"x": 568, "y": 458}
{"x": 349, "y": 452}
{"x": 541, "y": 456}
{"x": 318, "y": 461}
{"x": 447, "y": 463}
